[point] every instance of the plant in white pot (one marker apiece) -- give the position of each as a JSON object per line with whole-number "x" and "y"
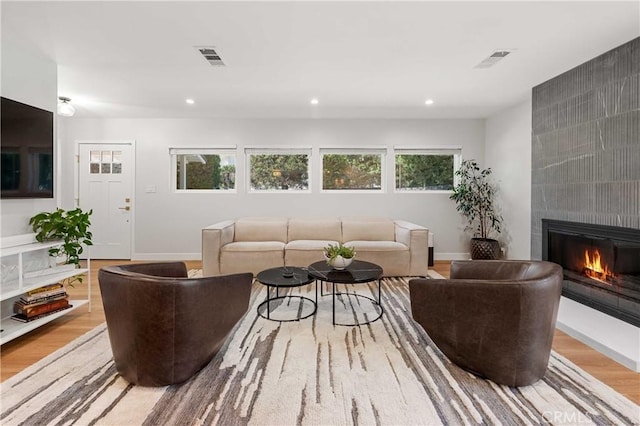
{"x": 475, "y": 200}
{"x": 340, "y": 256}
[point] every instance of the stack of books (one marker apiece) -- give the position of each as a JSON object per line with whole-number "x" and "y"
{"x": 41, "y": 302}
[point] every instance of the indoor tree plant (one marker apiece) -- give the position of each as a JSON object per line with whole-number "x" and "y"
{"x": 475, "y": 200}
{"x": 72, "y": 227}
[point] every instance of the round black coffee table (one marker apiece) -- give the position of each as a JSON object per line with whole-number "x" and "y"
{"x": 285, "y": 277}
{"x": 358, "y": 272}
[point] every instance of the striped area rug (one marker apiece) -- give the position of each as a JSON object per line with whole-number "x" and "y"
{"x": 308, "y": 372}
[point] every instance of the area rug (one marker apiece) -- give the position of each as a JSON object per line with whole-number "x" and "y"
{"x": 308, "y": 372}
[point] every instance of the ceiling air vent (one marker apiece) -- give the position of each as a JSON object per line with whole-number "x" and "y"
{"x": 494, "y": 58}
{"x": 210, "y": 54}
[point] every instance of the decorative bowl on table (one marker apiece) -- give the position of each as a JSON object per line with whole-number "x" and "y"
{"x": 339, "y": 262}
{"x": 339, "y": 257}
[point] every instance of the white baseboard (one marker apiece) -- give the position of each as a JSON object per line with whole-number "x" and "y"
{"x": 451, "y": 256}
{"x": 167, "y": 256}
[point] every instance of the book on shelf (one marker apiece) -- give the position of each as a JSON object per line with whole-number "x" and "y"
{"x": 24, "y": 318}
{"x": 51, "y": 293}
{"x": 41, "y": 301}
{"x": 32, "y": 311}
{"x": 44, "y": 289}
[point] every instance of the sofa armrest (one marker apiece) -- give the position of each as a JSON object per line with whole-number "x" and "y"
{"x": 214, "y": 237}
{"x": 415, "y": 237}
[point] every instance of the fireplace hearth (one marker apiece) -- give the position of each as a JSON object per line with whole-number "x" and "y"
{"x": 601, "y": 265}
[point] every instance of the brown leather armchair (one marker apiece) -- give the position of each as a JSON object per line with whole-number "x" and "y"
{"x": 163, "y": 326}
{"x": 494, "y": 318}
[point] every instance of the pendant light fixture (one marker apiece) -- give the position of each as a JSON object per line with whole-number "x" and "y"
{"x": 65, "y": 109}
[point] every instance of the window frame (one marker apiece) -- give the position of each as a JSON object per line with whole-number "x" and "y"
{"x": 381, "y": 151}
{"x": 221, "y": 151}
{"x": 250, "y": 151}
{"x": 456, "y": 152}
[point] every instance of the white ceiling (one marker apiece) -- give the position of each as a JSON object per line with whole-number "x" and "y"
{"x": 360, "y": 59}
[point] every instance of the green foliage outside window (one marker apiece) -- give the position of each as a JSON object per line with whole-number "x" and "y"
{"x": 279, "y": 172}
{"x": 208, "y": 175}
{"x": 424, "y": 172}
{"x": 352, "y": 171}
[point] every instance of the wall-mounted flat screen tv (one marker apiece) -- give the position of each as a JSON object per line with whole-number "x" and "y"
{"x": 26, "y": 145}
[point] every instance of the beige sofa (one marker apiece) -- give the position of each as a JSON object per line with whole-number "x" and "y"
{"x": 253, "y": 244}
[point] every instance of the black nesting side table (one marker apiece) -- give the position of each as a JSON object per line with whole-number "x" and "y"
{"x": 285, "y": 277}
{"x": 358, "y": 272}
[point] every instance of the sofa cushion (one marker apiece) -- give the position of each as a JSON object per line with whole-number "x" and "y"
{"x": 303, "y": 253}
{"x": 315, "y": 229}
{"x": 367, "y": 229}
{"x": 376, "y": 246}
{"x": 251, "y": 257}
{"x": 261, "y": 229}
{"x": 254, "y": 246}
{"x": 305, "y": 245}
{"x": 394, "y": 258}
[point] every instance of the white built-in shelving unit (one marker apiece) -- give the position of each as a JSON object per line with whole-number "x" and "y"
{"x": 26, "y": 266}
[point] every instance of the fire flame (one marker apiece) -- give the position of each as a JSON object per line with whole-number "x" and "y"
{"x": 594, "y": 267}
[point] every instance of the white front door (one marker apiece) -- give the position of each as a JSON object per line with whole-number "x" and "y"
{"x": 105, "y": 185}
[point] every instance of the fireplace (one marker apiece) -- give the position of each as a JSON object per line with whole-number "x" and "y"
{"x": 601, "y": 265}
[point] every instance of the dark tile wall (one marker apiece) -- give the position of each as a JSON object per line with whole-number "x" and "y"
{"x": 586, "y": 144}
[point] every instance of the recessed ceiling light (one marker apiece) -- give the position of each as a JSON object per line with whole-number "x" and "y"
{"x": 190, "y": 101}
{"x": 314, "y": 101}
{"x": 428, "y": 102}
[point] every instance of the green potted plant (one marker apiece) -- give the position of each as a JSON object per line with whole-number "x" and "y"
{"x": 475, "y": 200}
{"x": 339, "y": 256}
{"x": 72, "y": 227}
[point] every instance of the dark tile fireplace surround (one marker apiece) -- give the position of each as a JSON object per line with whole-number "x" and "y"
{"x": 601, "y": 265}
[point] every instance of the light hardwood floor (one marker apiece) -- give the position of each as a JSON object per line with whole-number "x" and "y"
{"x": 26, "y": 350}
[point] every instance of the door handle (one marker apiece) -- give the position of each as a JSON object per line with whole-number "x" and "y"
{"x": 127, "y": 208}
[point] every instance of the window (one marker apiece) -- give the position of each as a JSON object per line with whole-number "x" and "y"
{"x": 105, "y": 162}
{"x": 359, "y": 170}
{"x": 278, "y": 169}
{"x": 203, "y": 169}
{"x": 426, "y": 170}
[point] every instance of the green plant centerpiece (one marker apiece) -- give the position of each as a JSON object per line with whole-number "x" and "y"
{"x": 72, "y": 227}
{"x": 475, "y": 200}
{"x": 339, "y": 256}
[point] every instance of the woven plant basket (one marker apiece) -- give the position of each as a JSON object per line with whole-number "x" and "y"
{"x": 485, "y": 249}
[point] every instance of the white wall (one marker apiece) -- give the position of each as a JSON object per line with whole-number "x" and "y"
{"x": 30, "y": 77}
{"x": 508, "y": 153}
{"x": 168, "y": 225}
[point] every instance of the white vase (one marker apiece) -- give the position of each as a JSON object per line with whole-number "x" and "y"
{"x": 339, "y": 262}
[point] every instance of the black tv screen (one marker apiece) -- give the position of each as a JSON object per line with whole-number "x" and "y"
{"x": 26, "y": 145}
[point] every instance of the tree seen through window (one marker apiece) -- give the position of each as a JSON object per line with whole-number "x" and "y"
{"x": 424, "y": 172}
